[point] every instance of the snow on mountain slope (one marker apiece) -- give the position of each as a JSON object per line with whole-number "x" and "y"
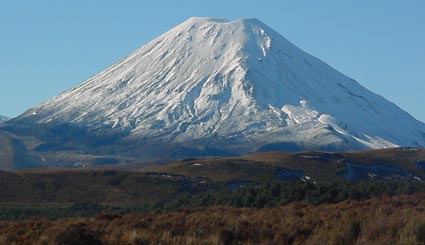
{"x": 239, "y": 80}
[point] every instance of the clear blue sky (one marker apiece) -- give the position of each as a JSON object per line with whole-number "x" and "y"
{"x": 47, "y": 47}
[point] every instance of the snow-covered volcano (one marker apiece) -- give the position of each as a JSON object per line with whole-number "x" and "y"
{"x": 218, "y": 82}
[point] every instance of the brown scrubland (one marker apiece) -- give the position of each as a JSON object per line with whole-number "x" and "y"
{"x": 379, "y": 220}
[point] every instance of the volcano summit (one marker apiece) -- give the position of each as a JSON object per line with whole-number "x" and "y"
{"x": 217, "y": 87}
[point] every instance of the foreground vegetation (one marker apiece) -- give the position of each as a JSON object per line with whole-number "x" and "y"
{"x": 383, "y": 220}
{"x": 270, "y": 198}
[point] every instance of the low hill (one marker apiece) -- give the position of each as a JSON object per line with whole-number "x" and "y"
{"x": 3, "y": 119}
{"x": 19, "y": 152}
{"x": 14, "y": 154}
{"x": 319, "y": 166}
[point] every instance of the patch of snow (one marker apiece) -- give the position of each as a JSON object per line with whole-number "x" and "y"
{"x": 79, "y": 165}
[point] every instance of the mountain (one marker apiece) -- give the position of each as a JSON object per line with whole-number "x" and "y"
{"x": 217, "y": 87}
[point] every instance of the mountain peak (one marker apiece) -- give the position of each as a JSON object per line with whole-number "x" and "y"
{"x": 235, "y": 85}
{"x": 251, "y": 21}
{"x": 196, "y": 19}
{"x": 203, "y": 22}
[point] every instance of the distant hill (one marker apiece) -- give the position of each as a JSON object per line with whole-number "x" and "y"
{"x": 314, "y": 165}
{"x": 14, "y": 152}
{"x": 3, "y": 119}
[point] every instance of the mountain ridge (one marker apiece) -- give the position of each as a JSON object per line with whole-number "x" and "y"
{"x": 211, "y": 86}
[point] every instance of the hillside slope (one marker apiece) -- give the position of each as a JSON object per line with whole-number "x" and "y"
{"x": 217, "y": 87}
